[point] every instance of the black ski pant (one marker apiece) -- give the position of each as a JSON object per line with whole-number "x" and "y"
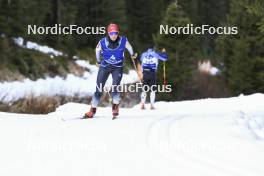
{"x": 102, "y": 76}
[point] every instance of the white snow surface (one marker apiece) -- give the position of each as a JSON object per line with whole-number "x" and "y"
{"x": 214, "y": 71}
{"x": 209, "y": 137}
{"x": 70, "y": 86}
{"x": 35, "y": 46}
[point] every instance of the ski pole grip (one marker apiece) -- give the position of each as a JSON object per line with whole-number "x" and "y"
{"x": 134, "y": 56}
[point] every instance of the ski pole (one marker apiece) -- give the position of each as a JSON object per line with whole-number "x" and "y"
{"x": 164, "y": 73}
{"x": 135, "y": 67}
{"x": 164, "y": 69}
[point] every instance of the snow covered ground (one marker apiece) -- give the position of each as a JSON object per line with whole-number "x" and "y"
{"x": 210, "y": 137}
{"x": 35, "y": 46}
{"x": 70, "y": 86}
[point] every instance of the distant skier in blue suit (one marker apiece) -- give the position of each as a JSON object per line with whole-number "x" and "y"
{"x": 110, "y": 55}
{"x": 149, "y": 64}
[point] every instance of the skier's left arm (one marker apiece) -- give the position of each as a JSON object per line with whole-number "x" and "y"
{"x": 161, "y": 56}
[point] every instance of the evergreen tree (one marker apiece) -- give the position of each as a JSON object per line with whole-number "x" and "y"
{"x": 242, "y": 54}
{"x": 61, "y": 12}
{"x": 114, "y": 12}
{"x": 181, "y": 51}
{"x": 258, "y": 9}
{"x": 15, "y": 15}
{"x": 99, "y": 13}
{"x": 144, "y": 17}
{"x": 209, "y": 12}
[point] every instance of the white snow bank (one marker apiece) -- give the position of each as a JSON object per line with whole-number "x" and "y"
{"x": 206, "y": 67}
{"x": 214, "y": 71}
{"x": 70, "y": 86}
{"x": 42, "y": 48}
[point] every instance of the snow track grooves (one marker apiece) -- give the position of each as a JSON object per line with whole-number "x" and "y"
{"x": 159, "y": 140}
{"x": 211, "y": 137}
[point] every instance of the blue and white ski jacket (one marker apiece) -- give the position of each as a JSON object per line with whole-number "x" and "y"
{"x": 110, "y": 56}
{"x": 150, "y": 59}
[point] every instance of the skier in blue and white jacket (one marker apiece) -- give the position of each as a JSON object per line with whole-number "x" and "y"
{"x": 149, "y": 64}
{"x": 110, "y": 56}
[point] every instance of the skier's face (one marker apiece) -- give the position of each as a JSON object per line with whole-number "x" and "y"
{"x": 113, "y": 36}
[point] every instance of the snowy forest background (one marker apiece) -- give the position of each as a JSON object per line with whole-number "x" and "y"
{"x": 239, "y": 58}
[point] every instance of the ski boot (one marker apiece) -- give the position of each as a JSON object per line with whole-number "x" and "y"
{"x": 115, "y": 111}
{"x": 90, "y": 113}
{"x": 152, "y": 107}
